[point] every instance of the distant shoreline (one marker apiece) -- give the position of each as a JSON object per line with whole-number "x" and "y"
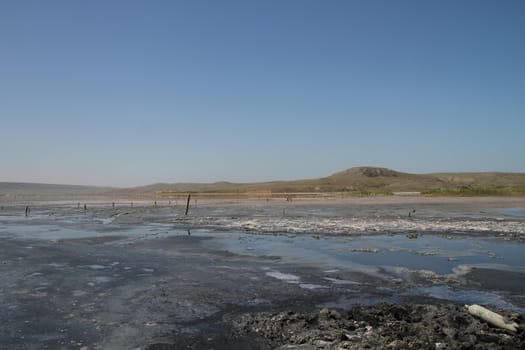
{"x": 295, "y": 198}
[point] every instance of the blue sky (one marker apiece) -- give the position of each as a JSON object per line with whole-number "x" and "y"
{"x": 135, "y": 92}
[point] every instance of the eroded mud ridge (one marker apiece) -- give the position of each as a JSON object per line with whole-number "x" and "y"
{"x": 384, "y": 326}
{"x": 346, "y": 219}
{"x": 338, "y": 226}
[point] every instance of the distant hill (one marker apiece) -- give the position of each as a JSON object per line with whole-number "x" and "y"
{"x": 354, "y": 181}
{"x": 359, "y": 180}
{"x": 8, "y": 189}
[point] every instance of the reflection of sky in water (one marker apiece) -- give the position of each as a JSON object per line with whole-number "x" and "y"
{"x": 427, "y": 252}
{"x": 393, "y": 251}
{"x": 351, "y": 210}
{"x": 465, "y": 296}
{"x": 50, "y": 231}
{"x": 514, "y": 212}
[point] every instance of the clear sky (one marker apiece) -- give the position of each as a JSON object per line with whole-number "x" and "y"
{"x": 135, "y": 92}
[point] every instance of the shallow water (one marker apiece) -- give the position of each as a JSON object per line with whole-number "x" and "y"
{"x": 393, "y": 255}
{"x": 440, "y": 253}
{"x": 460, "y": 296}
{"x": 513, "y": 212}
{"x": 427, "y": 252}
{"x": 438, "y": 248}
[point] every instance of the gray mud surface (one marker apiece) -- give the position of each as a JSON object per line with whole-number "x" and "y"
{"x": 138, "y": 278}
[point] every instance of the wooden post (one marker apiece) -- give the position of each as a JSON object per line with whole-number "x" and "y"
{"x": 188, "y": 204}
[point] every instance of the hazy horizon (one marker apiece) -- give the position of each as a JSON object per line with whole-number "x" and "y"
{"x": 131, "y": 93}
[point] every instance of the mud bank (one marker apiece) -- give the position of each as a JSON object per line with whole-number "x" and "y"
{"x": 384, "y": 326}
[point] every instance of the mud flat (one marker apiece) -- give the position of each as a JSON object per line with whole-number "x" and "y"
{"x": 260, "y": 275}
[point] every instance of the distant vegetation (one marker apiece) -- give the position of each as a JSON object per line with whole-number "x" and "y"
{"x": 476, "y": 191}
{"x": 367, "y": 193}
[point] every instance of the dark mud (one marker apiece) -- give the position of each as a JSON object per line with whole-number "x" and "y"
{"x": 432, "y": 325}
{"x": 384, "y": 326}
{"x": 120, "y": 293}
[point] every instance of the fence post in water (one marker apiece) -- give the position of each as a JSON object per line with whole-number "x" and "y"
{"x": 188, "y": 204}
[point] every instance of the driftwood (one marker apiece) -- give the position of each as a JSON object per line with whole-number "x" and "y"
{"x": 491, "y": 317}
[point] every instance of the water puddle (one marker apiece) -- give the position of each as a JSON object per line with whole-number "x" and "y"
{"x": 284, "y": 276}
{"x": 51, "y": 231}
{"x": 465, "y": 297}
{"x": 428, "y": 252}
{"x": 513, "y": 212}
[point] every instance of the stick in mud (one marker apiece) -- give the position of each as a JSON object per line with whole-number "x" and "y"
{"x": 188, "y": 204}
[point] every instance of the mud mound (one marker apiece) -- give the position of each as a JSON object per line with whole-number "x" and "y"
{"x": 385, "y": 326}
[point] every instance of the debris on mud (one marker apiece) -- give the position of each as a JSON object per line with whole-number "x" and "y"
{"x": 384, "y": 326}
{"x": 366, "y": 250}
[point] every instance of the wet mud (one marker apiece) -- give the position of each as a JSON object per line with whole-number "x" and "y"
{"x": 138, "y": 278}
